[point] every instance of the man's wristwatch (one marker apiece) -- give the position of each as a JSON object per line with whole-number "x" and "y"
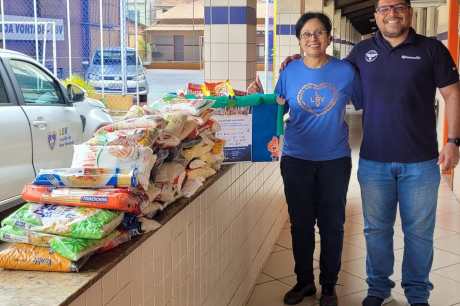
{"x": 455, "y": 141}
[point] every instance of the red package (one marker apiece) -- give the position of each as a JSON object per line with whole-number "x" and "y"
{"x": 116, "y": 199}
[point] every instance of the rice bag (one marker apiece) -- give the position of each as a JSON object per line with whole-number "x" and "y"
{"x": 198, "y": 150}
{"x": 76, "y": 222}
{"x": 126, "y": 158}
{"x": 196, "y": 163}
{"x": 20, "y": 256}
{"x": 149, "y": 225}
{"x": 147, "y": 122}
{"x": 176, "y": 122}
{"x": 172, "y": 172}
{"x": 166, "y": 140}
{"x": 133, "y": 137}
{"x": 213, "y": 160}
{"x": 192, "y": 107}
{"x": 87, "y": 178}
{"x": 11, "y": 233}
{"x": 112, "y": 241}
{"x": 117, "y": 199}
{"x": 74, "y": 248}
{"x": 151, "y": 209}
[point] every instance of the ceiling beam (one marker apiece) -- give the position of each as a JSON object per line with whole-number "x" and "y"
{"x": 342, "y": 3}
{"x": 358, "y": 6}
{"x": 365, "y": 11}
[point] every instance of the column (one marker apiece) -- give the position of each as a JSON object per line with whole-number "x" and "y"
{"x": 230, "y": 41}
{"x": 313, "y": 6}
{"x": 289, "y": 11}
{"x": 337, "y": 32}
{"x": 329, "y": 10}
{"x": 431, "y": 21}
{"x": 421, "y": 20}
{"x": 414, "y": 18}
{"x": 343, "y": 36}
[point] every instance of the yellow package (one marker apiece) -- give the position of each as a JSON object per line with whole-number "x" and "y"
{"x": 217, "y": 89}
{"x": 19, "y": 256}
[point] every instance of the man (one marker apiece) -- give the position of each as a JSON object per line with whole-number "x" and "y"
{"x": 400, "y": 71}
{"x": 399, "y": 158}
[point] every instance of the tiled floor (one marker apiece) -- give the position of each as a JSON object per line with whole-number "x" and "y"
{"x": 278, "y": 275}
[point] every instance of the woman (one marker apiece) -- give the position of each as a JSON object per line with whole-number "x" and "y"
{"x": 316, "y": 162}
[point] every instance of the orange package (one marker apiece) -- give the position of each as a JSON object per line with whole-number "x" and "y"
{"x": 115, "y": 198}
{"x": 217, "y": 89}
{"x": 19, "y": 256}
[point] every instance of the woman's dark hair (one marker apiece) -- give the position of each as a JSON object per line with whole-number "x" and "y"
{"x": 308, "y": 16}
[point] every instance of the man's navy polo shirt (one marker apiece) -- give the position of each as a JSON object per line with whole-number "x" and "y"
{"x": 399, "y": 86}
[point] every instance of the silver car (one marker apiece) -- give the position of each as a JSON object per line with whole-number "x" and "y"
{"x": 110, "y": 79}
{"x": 40, "y": 122}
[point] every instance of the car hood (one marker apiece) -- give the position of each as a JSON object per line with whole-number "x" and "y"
{"x": 116, "y": 70}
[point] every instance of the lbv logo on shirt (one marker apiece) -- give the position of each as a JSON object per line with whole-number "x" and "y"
{"x": 317, "y": 99}
{"x": 371, "y": 56}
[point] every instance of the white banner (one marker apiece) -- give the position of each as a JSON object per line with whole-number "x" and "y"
{"x": 23, "y": 28}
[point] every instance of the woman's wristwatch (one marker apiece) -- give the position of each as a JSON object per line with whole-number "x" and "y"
{"x": 455, "y": 141}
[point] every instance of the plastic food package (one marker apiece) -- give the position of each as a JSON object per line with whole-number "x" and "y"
{"x": 203, "y": 172}
{"x": 20, "y": 256}
{"x": 76, "y": 222}
{"x": 151, "y": 209}
{"x": 74, "y": 248}
{"x": 198, "y": 150}
{"x": 172, "y": 172}
{"x": 191, "y": 186}
{"x": 133, "y": 137}
{"x": 194, "y": 89}
{"x": 217, "y": 89}
{"x": 166, "y": 140}
{"x": 125, "y": 158}
{"x": 149, "y": 225}
{"x": 192, "y": 107}
{"x": 196, "y": 163}
{"x": 168, "y": 193}
{"x": 117, "y": 199}
{"x": 11, "y": 233}
{"x": 87, "y": 178}
{"x": 189, "y": 126}
{"x": 134, "y": 111}
{"x": 213, "y": 160}
{"x": 153, "y": 192}
{"x": 115, "y": 240}
{"x": 148, "y": 122}
{"x": 176, "y": 122}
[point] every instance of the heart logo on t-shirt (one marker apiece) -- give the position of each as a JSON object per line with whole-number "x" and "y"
{"x": 317, "y": 99}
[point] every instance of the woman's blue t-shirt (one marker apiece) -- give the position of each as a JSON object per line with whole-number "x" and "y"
{"x": 316, "y": 129}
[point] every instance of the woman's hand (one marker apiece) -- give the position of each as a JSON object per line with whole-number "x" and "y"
{"x": 280, "y": 100}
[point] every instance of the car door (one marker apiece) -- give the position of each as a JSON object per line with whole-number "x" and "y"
{"x": 16, "y": 145}
{"x": 56, "y": 126}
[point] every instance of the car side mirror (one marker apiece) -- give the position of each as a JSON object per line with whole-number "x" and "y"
{"x": 75, "y": 93}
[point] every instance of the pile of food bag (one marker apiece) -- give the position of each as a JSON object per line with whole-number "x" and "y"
{"x": 118, "y": 181}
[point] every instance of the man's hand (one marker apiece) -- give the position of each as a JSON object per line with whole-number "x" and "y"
{"x": 289, "y": 59}
{"x": 255, "y": 87}
{"x": 448, "y": 158}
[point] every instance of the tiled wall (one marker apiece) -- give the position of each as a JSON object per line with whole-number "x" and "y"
{"x": 210, "y": 253}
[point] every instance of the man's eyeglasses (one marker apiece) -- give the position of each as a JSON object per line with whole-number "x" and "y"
{"x": 316, "y": 34}
{"x": 397, "y": 8}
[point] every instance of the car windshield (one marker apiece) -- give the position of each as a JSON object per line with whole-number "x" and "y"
{"x": 114, "y": 58}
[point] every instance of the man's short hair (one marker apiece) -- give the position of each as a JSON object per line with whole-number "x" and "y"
{"x": 376, "y": 3}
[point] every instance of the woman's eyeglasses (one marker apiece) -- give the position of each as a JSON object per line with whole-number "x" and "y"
{"x": 316, "y": 34}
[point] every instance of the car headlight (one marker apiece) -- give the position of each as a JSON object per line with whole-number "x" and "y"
{"x": 140, "y": 77}
{"x": 92, "y": 76}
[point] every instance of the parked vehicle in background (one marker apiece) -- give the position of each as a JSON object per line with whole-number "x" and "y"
{"x": 111, "y": 78}
{"x": 40, "y": 121}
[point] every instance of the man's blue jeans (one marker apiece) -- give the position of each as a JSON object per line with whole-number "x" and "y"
{"x": 415, "y": 187}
